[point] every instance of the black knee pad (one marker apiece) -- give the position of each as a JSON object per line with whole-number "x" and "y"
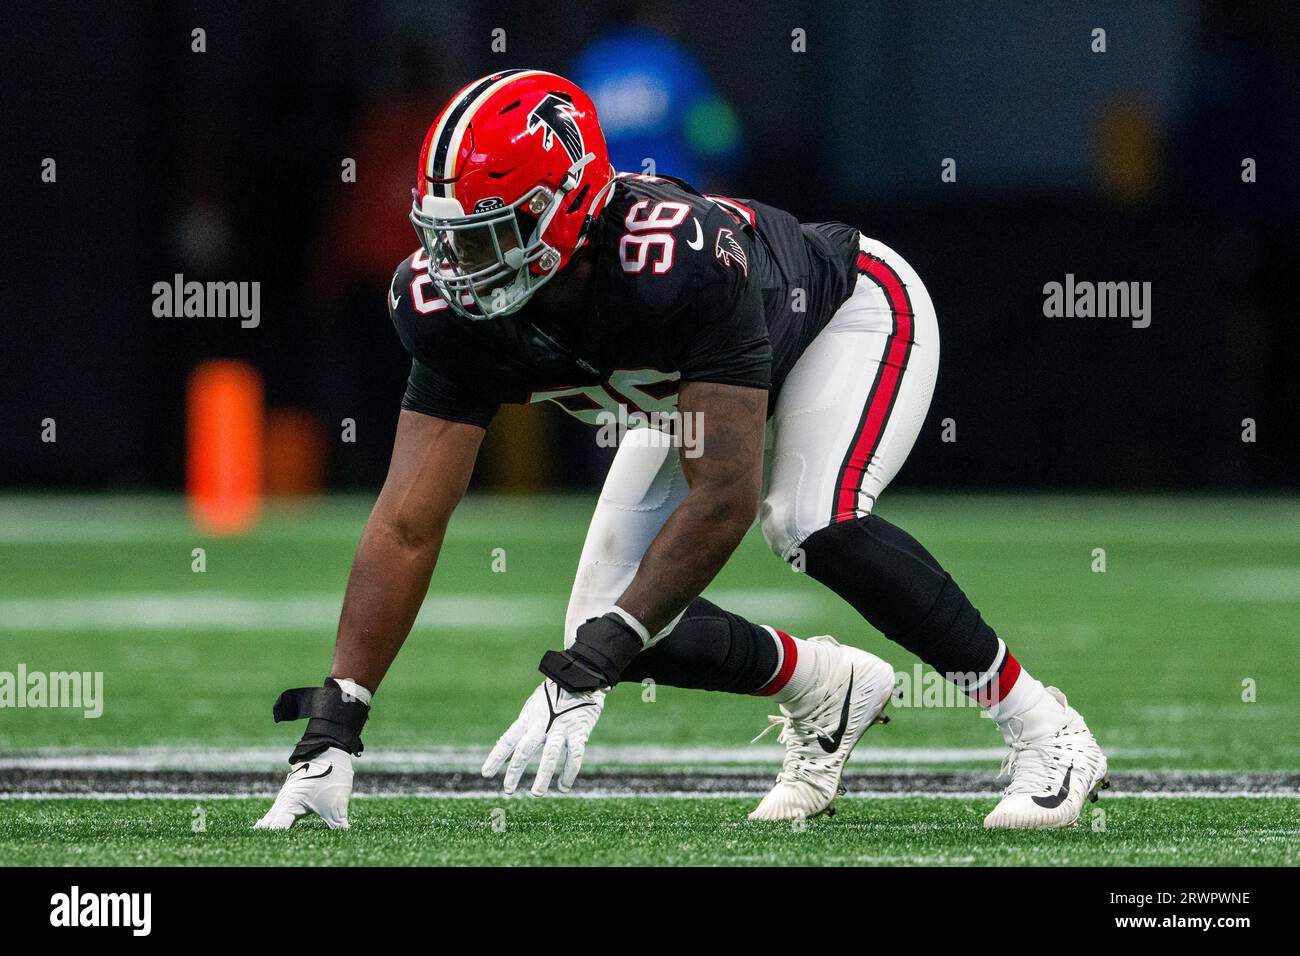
{"x": 902, "y": 591}
{"x": 709, "y": 649}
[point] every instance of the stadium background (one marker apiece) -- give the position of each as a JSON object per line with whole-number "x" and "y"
{"x": 1073, "y": 435}
{"x": 225, "y": 165}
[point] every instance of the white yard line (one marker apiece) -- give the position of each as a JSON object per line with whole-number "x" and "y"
{"x": 231, "y": 611}
{"x": 223, "y": 611}
{"x": 1249, "y": 584}
{"x": 597, "y": 793}
{"x": 712, "y": 764}
{"x": 993, "y": 519}
{"x": 150, "y": 759}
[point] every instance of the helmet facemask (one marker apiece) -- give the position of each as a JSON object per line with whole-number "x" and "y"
{"x": 481, "y": 264}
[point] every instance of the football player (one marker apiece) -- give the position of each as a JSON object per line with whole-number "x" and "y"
{"x": 806, "y": 353}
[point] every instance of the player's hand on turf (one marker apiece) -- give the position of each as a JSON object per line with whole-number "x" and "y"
{"x": 558, "y": 724}
{"x": 320, "y": 785}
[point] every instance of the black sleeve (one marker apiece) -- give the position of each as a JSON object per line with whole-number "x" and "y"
{"x": 729, "y": 344}
{"x": 430, "y": 393}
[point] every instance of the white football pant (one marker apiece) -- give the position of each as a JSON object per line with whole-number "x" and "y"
{"x": 847, "y": 416}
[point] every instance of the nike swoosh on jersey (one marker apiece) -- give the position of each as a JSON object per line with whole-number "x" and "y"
{"x": 1055, "y": 800}
{"x": 832, "y": 743}
{"x": 698, "y": 243}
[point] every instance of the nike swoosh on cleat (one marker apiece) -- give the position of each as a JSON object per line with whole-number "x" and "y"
{"x": 698, "y": 242}
{"x": 832, "y": 743}
{"x": 1052, "y": 802}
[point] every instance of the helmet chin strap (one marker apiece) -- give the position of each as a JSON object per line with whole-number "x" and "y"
{"x": 597, "y": 203}
{"x": 518, "y": 289}
{"x": 515, "y": 257}
{"x": 567, "y": 185}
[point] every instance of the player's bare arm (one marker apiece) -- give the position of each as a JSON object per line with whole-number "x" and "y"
{"x": 691, "y": 547}
{"x": 430, "y": 468}
{"x": 707, "y": 526}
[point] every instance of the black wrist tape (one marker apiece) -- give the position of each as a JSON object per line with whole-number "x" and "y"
{"x": 602, "y": 650}
{"x": 333, "y": 719}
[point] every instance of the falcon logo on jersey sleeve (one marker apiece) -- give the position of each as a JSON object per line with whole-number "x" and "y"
{"x": 728, "y": 250}
{"x": 554, "y": 117}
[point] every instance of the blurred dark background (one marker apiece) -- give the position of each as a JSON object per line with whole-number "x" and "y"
{"x": 226, "y": 165}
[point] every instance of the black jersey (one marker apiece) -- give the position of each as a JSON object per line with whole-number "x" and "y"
{"x": 685, "y": 288}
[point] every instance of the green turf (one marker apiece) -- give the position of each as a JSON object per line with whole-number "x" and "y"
{"x": 666, "y": 832}
{"x": 1199, "y": 595}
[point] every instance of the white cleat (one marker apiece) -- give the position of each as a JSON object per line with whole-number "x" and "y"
{"x": 820, "y": 733}
{"x": 1054, "y": 764}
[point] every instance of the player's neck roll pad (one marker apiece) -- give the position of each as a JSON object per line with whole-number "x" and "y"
{"x": 334, "y": 719}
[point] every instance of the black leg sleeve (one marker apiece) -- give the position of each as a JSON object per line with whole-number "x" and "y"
{"x": 903, "y": 592}
{"x": 709, "y": 649}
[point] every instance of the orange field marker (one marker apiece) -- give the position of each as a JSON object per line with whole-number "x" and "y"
{"x": 224, "y": 437}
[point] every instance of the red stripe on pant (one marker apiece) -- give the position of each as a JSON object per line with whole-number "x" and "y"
{"x": 884, "y": 391}
{"x": 789, "y": 657}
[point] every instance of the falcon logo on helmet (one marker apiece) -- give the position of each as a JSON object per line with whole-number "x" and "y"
{"x": 497, "y": 216}
{"x": 554, "y": 117}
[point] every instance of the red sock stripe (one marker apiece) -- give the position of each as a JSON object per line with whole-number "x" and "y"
{"x": 1006, "y": 679}
{"x": 789, "y": 657}
{"x": 884, "y": 390}
{"x": 995, "y": 690}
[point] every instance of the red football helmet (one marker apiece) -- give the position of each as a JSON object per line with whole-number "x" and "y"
{"x": 511, "y": 174}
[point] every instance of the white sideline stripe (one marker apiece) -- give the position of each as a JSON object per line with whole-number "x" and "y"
{"x": 147, "y": 527}
{"x": 1261, "y": 584}
{"x": 232, "y": 611}
{"x": 221, "y": 611}
{"x": 604, "y": 794}
{"x": 990, "y": 519}
{"x": 148, "y": 759}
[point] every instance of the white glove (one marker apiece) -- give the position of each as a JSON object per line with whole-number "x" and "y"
{"x": 321, "y": 785}
{"x": 556, "y": 721}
